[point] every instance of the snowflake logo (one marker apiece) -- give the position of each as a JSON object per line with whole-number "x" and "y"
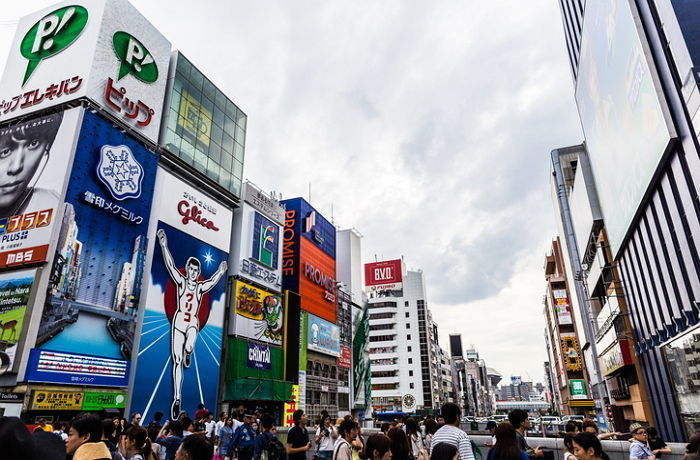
{"x": 120, "y": 172}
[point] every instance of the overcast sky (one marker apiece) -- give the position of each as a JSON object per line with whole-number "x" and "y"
{"x": 425, "y": 125}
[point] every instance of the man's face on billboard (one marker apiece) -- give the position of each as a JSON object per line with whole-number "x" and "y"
{"x": 20, "y": 156}
{"x": 193, "y": 271}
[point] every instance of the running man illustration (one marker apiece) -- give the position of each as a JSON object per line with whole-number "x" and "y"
{"x": 185, "y": 325}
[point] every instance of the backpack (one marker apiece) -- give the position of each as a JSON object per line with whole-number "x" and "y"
{"x": 274, "y": 450}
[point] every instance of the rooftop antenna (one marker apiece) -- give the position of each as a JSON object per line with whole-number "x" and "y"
{"x": 332, "y": 218}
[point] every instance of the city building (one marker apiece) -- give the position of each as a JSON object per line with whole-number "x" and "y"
{"x": 643, "y": 148}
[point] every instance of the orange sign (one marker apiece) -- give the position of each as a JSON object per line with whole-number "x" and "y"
{"x": 317, "y": 285}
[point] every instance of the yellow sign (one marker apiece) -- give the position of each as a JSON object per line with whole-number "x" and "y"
{"x": 572, "y": 357}
{"x": 290, "y": 407}
{"x": 57, "y": 400}
{"x": 194, "y": 118}
{"x": 250, "y": 300}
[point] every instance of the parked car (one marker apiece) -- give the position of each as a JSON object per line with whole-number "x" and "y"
{"x": 467, "y": 419}
{"x": 550, "y": 420}
{"x": 566, "y": 418}
{"x": 498, "y": 418}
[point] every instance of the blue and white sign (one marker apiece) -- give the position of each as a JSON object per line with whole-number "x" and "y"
{"x": 76, "y": 369}
{"x": 259, "y": 357}
{"x": 323, "y": 336}
{"x": 120, "y": 172}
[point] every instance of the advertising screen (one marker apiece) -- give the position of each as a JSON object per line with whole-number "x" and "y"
{"x": 15, "y": 288}
{"x": 34, "y": 164}
{"x": 562, "y": 307}
{"x": 95, "y": 283}
{"x": 323, "y": 336}
{"x": 257, "y": 314}
{"x": 179, "y": 352}
{"x": 317, "y": 285}
{"x": 106, "y": 51}
{"x": 622, "y": 110}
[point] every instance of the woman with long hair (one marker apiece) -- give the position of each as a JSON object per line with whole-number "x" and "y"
{"x": 224, "y": 438}
{"x": 587, "y": 447}
{"x": 506, "y": 447}
{"x": 138, "y": 444}
{"x": 378, "y": 447}
{"x": 400, "y": 450}
{"x": 569, "y": 447}
{"x": 415, "y": 440}
{"x": 431, "y": 428}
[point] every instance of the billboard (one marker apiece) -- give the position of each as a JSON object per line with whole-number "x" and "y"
{"x": 249, "y": 360}
{"x": 323, "y": 336}
{"x": 34, "y": 159}
{"x": 317, "y": 285}
{"x": 384, "y": 279}
{"x": 577, "y": 388}
{"x": 95, "y": 283}
{"x": 15, "y": 288}
{"x": 179, "y": 350}
{"x": 106, "y": 51}
{"x": 571, "y": 351}
{"x": 562, "y": 307}
{"x": 345, "y": 359}
{"x": 622, "y": 109}
{"x": 257, "y": 314}
{"x": 291, "y": 407}
{"x": 76, "y": 369}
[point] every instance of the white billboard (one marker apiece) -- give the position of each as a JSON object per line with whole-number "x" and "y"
{"x": 623, "y": 112}
{"x": 34, "y": 159}
{"x": 104, "y": 50}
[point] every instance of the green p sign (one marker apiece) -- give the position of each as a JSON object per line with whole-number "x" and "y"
{"x": 135, "y": 58}
{"x": 52, "y": 34}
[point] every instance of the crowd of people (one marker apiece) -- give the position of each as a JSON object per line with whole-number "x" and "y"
{"x": 252, "y": 436}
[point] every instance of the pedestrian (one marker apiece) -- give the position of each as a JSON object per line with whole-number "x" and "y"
{"x": 400, "y": 449}
{"x": 358, "y": 445}
{"x": 347, "y": 433}
{"x": 45, "y": 426}
{"x": 692, "y": 450}
{"x": 491, "y": 428}
{"x": 201, "y": 412}
{"x": 451, "y": 433}
{"x": 138, "y": 445}
{"x": 154, "y": 427}
{"x": 384, "y": 427}
{"x": 210, "y": 426}
{"x": 84, "y": 440}
{"x": 243, "y": 440}
{"x": 224, "y": 438}
{"x": 415, "y": 440}
{"x": 431, "y": 427}
{"x": 639, "y": 449}
{"x": 326, "y": 434}
{"x": 590, "y": 426}
{"x": 298, "y": 437}
{"x": 108, "y": 434}
{"x": 220, "y": 423}
{"x": 267, "y": 446}
{"x": 18, "y": 443}
{"x": 170, "y": 437}
{"x": 59, "y": 430}
{"x": 444, "y": 451}
{"x": 656, "y": 443}
{"x": 587, "y": 447}
{"x": 569, "y": 447}
{"x": 378, "y": 447}
{"x": 507, "y": 447}
{"x": 195, "y": 447}
{"x": 521, "y": 422}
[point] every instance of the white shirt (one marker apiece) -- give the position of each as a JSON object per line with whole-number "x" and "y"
{"x": 209, "y": 427}
{"x": 456, "y": 437}
{"x": 327, "y": 442}
{"x": 219, "y": 425}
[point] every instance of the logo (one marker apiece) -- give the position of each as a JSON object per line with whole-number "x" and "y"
{"x": 265, "y": 241}
{"x": 259, "y": 356}
{"x": 194, "y": 214}
{"x": 51, "y": 35}
{"x": 135, "y": 58}
{"x": 409, "y": 401}
{"x": 120, "y": 172}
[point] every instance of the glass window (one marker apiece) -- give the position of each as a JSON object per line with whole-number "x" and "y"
{"x": 229, "y": 127}
{"x": 683, "y": 360}
{"x": 225, "y": 179}
{"x": 209, "y": 90}
{"x": 226, "y": 161}
{"x": 410, "y": 385}
{"x": 208, "y": 104}
{"x": 237, "y": 169}
{"x": 183, "y": 67}
{"x": 219, "y": 117}
{"x": 217, "y": 134}
{"x": 213, "y": 170}
{"x": 241, "y": 119}
{"x": 187, "y": 152}
{"x": 240, "y": 135}
{"x": 200, "y": 160}
{"x": 235, "y": 186}
{"x": 228, "y": 142}
{"x": 196, "y": 80}
{"x": 238, "y": 151}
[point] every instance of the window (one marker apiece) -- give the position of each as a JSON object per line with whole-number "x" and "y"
{"x": 408, "y": 336}
{"x": 410, "y": 360}
{"x": 408, "y": 315}
{"x": 410, "y": 348}
{"x": 408, "y": 325}
{"x": 410, "y": 373}
{"x": 405, "y": 303}
{"x": 411, "y": 386}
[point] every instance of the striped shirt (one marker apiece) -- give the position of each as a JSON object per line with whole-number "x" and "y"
{"x": 455, "y": 436}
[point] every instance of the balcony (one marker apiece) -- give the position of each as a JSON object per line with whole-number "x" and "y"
{"x": 620, "y": 393}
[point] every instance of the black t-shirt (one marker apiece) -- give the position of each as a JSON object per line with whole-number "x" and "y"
{"x": 297, "y": 437}
{"x": 657, "y": 443}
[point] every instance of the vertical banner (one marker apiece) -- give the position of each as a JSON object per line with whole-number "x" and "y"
{"x": 180, "y": 350}
{"x": 291, "y": 407}
{"x": 95, "y": 283}
{"x": 14, "y": 294}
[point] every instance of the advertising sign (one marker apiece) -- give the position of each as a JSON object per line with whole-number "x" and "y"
{"x": 106, "y": 51}
{"x": 99, "y": 401}
{"x": 345, "y": 359}
{"x": 95, "y": 283}
{"x": 258, "y": 314}
{"x": 572, "y": 353}
{"x": 259, "y": 356}
{"x": 317, "y": 284}
{"x": 384, "y": 279}
{"x": 622, "y": 110}
{"x": 35, "y": 156}
{"x": 57, "y": 400}
{"x": 291, "y": 407}
{"x": 76, "y": 369}
{"x": 562, "y": 307}
{"x": 577, "y": 388}
{"x": 616, "y": 357}
{"x": 266, "y": 204}
{"x": 181, "y": 339}
{"x": 323, "y": 336}
{"x": 14, "y": 294}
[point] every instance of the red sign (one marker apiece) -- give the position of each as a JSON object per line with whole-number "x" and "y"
{"x": 345, "y": 359}
{"x": 317, "y": 281}
{"x": 24, "y": 256}
{"x": 379, "y": 273}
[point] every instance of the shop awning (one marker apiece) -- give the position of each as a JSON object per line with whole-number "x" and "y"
{"x": 257, "y": 389}
{"x": 581, "y": 403}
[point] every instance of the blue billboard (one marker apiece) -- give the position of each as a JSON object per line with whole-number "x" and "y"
{"x": 323, "y": 336}
{"x": 310, "y": 224}
{"x": 95, "y": 283}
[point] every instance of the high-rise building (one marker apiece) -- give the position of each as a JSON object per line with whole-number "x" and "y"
{"x": 634, "y": 66}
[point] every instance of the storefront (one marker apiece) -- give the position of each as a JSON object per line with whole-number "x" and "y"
{"x": 54, "y": 403}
